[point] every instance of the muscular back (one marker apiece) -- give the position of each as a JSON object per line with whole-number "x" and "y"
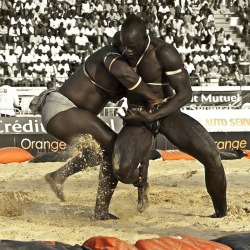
{"x": 85, "y": 94}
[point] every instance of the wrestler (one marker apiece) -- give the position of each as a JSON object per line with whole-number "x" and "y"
{"x": 161, "y": 68}
{"x": 73, "y": 108}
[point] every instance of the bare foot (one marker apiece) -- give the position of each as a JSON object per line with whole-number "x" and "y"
{"x": 143, "y": 201}
{"x": 55, "y": 186}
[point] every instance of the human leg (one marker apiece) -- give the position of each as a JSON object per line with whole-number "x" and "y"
{"x": 106, "y": 187}
{"x": 131, "y": 160}
{"x": 66, "y": 125}
{"x": 191, "y": 137}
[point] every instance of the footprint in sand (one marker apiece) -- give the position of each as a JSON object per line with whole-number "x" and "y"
{"x": 189, "y": 174}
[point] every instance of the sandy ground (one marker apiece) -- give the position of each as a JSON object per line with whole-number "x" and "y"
{"x": 180, "y": 204}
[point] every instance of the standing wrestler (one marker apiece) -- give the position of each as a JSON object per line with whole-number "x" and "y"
{"x": 161, "y": 68}
{"x": 73, "y": 108}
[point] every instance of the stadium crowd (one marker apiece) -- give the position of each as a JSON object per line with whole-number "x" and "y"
{"x": 44, "y": 41}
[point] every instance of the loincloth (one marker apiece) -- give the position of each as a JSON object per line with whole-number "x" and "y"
{"x": 155, "y": 125}
{"x": 54, "y": 104}
{"x": 152, "y": 126}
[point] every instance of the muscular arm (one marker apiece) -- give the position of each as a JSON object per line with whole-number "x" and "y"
{"x": 172, "y": 65}
{"x": 129, "y": 78}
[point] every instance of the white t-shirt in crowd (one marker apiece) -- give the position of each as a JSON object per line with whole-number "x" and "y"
{"x": 8, "y": 100}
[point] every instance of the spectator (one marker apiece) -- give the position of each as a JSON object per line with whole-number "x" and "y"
{"x": 9, "y": 99}
{"x": 29, "y": 6}
{"x": 61, "y": 77}
{"x": 202, "y": 78}
{"x": 63, "y": 65}
{"x": 109, "y": 32}
{"x": 44, "y": 47}
{"x": 30, "y": 76}
{"x": 86, "y": 7}
{"x": 14, "y": 34}
{"x": 36, "y": 38}
{"x": 27, "y": 31}
{"x": 3, "y": 34}
{"x": 98, "y": 7}
{"x": 224, "y": 69}
{"x": 189, "y": 67}
{"x": 80, "y": 42}
{"x": 26, "y": 59}
{"x": 55, "y": 49}
{"x": 135, "y": 7}
{"x": 11, "y": 60}
{"x": 201, "y": 66}
{"x": 110, "y": 5}
{"x": 228, "y": 40}
{"x": 38, "y": 67}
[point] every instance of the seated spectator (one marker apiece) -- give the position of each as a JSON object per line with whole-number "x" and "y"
{"x": 236, "y": 50}
{"x": 191, "y": 27}
{"x": 29, "y": 76}
{"x": 3, "y": 33}
{"x": 244, "y": 56}
{"x": 110, "y": 5}
{"x": 136, "y": 7}
{"x": 15, "y": 19}
{"x": 16, "y": 77}
{"x": 98, "y": 7}
{"x": 18, "y": 51}
{"x": 109, "y": 32}
{"x": 220, "y": 35}
{"x": 86, "y": 7}
{"x": 58, "y": 57}
{"x": 240, "y": 78}
{"x": 197, "y": 56}
{"x": 44, "y": 47}
{"x": 121, "y": 14}
{"x": 29, "y": 6}
{"x": 202, "y": 77}
{"x": 230, "y": 58}
{"x": 222, "y": 80}
{"x": 231, "y": 79}
{"x": 215, "y": 57}
{"x": 38, "y": 67}
{"x": 224, "y": 69}
{"x": 81, "y": 42}
{"x": 225, "y": 48}
{"x": 61, "y": 77}
{"x": 26, "y": 59}
{"x": 201, "y": 66}
{"x": 51, "y": 68}
{"x": 189, "y": 67}
{"x": 228, "y": 40}
{"x": 55, "y": 49}
{"x": 14, "y": 35}
{"x": 63, "y": 65}
{"x": 35, "y": 38}
{"x": 91, "y": 34}
{"x": 112, "y": 16}
{"x": 27, "y": 31}
{"x": 11, "y": 60}
{"x": 207, "y": 57}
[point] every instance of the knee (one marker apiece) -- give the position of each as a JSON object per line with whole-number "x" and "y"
{"x": 122, "y": 172}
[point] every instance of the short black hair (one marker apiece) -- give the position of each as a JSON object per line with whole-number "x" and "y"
{"x": 134, "y": 24}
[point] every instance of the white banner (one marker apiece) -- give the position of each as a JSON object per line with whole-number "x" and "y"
{"x": 237, "y": 120}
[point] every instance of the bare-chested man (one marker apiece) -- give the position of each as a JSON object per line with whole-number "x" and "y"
{"x": 73, "y": 108}
{"x": 161, "y": 68}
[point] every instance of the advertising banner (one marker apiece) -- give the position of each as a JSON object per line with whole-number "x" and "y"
{"x": 233, "y": 99}
{"x": 229, "y": 128}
